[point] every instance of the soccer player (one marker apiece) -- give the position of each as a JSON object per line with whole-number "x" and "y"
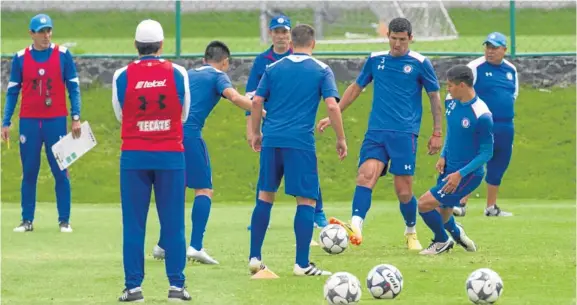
{"x": 279, "y": 30}
{"x": 497, "y": 83}
{"x": 468, "y": 146}
{"x": 44, "y": 71}
{"x": 207, "y": 85}
{"x": 291, "y": 88}
{"x": 151, "y": 100}
{"x": 399, "y": 76}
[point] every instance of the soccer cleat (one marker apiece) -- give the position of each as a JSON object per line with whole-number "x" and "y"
{"x": 176, "y": 294}
{"x": 158, "y": 253}
{"x": 200, "y": 256}
{"x": 25, "y": 226}
{"x": 496, "y": 211}
{"x": 438, "y": 247}
{"x": 320, "y": 219}
{"x": 412, "y": 241}
{"x": 132, "y": 295}
{"x": 311, "y": 270}
{"x": 464, "y": 240}
{"x": 65, "y": 227}
{"x": 255, "y": 265}
{"x": 355, "y": 234}
{"x": 460, "y": 211}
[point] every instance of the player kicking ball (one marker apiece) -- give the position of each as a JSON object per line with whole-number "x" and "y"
{"x": 292, "y": 87}
{"x": 208, "y": 84}
{"x": 468, "y": 147}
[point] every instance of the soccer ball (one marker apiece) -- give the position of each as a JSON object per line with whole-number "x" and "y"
{"x": 342, "y": 288}
{"x": 385, "y": 282}
{"x": 334, "y": 239}
{"x": 484, "y": 286}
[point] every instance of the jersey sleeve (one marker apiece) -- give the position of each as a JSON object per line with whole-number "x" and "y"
{"x": 429, "y": 77}
{"x": 366, "y": 75}
{"x": 119, "y": 82}
{"x": 484, "y": 133}
{"x": 13, "y": 91}
{"x": 263, "y": 89}
{"x": 256, "y": 73}
{"x": 444, "y": 150}
{"x": 72, "y": 83}
{"x": 222, "y": 83}
{"x": 182, "y": 83}
{"x": 329, "y": 85}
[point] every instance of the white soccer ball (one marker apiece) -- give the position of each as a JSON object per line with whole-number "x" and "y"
{"x": 342, "y": 288}
{"x": 334, "y": 239}
{"x": 385, "y": 282}
{"x": 484, "y": 286}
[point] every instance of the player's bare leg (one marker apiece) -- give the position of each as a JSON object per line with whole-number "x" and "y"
{"x": 404, "y": 190}
{"x": 368, "y": 175}
{"x": 492, "y": 209}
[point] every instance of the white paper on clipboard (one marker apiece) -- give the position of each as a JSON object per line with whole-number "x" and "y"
{"x": 67, "y": 150}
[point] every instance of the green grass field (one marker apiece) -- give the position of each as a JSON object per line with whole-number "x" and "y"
{"x": 534, "y": 252}
{"x": 112, "y": 32}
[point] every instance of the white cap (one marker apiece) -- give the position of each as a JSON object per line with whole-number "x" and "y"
{"x": 149, "y": 31}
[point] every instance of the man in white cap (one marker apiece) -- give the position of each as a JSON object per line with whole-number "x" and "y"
{"x": 151, "y": 100}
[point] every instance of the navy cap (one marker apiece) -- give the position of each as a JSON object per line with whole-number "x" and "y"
{"x": 497, "y": 39}
{"x": 39, "y": 22}
{"x": 280, "y": 21}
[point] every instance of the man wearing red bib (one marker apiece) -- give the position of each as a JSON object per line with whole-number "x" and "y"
{"x": 151, "y": 100}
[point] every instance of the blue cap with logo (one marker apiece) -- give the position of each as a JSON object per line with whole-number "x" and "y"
{"x": 39, "y": 22}
{"x": 497, "y": 39}
{"x": 280, "y": 21}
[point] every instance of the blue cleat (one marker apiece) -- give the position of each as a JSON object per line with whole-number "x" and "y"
{"x": 320, "y": 219}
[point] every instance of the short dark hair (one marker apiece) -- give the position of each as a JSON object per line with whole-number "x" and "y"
{"x": 460, "y": 74}
{"x": 147, "y": 48}
{"x": 216, "y": 51}
{"x": 399, "y": 25}
{"x": 302, "y": 35}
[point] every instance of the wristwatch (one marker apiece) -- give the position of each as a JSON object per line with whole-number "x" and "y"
{"x": 76, "y": 117}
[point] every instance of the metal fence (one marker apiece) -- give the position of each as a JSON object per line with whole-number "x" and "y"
{"x": 344, "y": 28}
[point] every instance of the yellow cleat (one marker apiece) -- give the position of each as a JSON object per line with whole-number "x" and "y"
{"x": 355, "y": 235}
{"x": 413, "y": 242}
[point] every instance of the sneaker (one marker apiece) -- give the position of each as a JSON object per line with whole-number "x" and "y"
{"x": 158, "y": 253}
{"x": 460, "y": 211}
{"x": 176, "y": 294}
{"x": 65, "y": 227}
{"x": 25, "y": 226}
{"x": 200, "y": 256}
{"x": 412, "y": 241}
{"x": 438, "y": 247}
{"x": 132, "y": 295}
{"x": 255, "y": 265}
{"x": 320, "y": 219}
{"x": 311, "y": 270}
{"x": 464, "y": 241}
{"x": 496, "y": 211}
{"x": 355, "y": 233}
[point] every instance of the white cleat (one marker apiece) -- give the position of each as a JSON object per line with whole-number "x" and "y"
{"x": 464, "y": 240}
{"x": 255, "y": 265}
{"x": 158, "y": 253}
{"x": 497, "y": 212}
{"x": 25, "y": 226}
{"x": 200, "y": 256}
{"x": 460, "y": 211}
{"x": 438, "y": 247}
{"x": 311, "y": 270}
{"x": 65, "y": 227}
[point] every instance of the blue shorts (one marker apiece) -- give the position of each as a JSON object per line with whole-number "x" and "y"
{"x": 468, "y": 184}
{"x": 398, "y": 147}
{"x": 502, "y": 151}
{"x": 198, "y": 171}
{"x": 299, "y": 168}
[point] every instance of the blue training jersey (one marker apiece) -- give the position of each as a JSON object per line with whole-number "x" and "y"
{"x": 469, "y": 141}
{"x": 397, "y": 93}
{"x": 292, "y": 88}
{"x": 69, "y": 77}
{"x": 207, "y": 85}
{"x": 259, "y": 66}
{"x": 151, "y": 159}
{"x": 498, "y": 86}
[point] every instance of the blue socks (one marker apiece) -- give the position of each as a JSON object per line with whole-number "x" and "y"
{"x": 304, "y": 225}
{"x": 409, "y": 211}
{"x": 319, "y": 206}
{"x": 434, "y": 221}
{"x": 259, "y": 223}
{"x": 451, "y": 226}
{"x": 362, "y": 201}
{"x": 200, "y": 213}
